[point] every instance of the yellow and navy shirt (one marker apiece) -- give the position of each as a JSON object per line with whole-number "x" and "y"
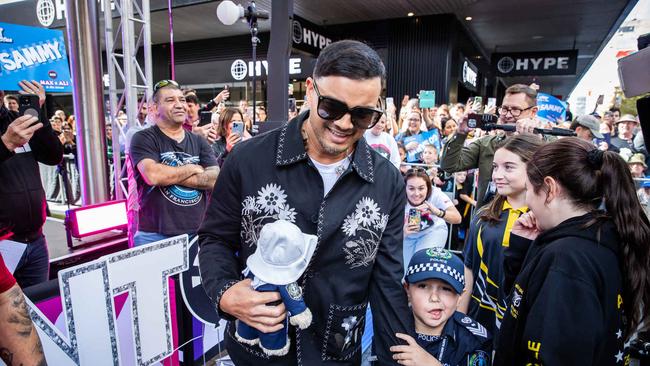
{"x": 484, "y": 256}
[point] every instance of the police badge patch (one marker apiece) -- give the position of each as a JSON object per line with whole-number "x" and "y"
{"x": 480, "y": 358}
{"x": 294, "y": 291}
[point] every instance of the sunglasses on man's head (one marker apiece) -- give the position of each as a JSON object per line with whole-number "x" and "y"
{"x": 163, "y": 83}
{"x": 332, "y": 109}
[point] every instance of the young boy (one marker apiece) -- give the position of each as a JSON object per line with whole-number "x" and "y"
{"x": 434, "y": 281}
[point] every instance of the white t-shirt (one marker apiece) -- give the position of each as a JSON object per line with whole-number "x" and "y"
{"x": 331, "y": 172}
{"x": 385, "y": 145}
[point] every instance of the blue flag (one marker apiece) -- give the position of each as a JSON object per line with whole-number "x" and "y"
{"x": 550, "y": 108}
{"x": 32, "y": 53}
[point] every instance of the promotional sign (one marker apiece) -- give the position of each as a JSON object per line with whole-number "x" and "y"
{"x": 469, "y": 75}
{"x": 91, "y": 305}
{"x": 30, "y": 53}
{"x": 307, "y": 36}
{"x": 535, "y": 63}
{"x": 550, "y": 108}
{"x": 423, "y": 138}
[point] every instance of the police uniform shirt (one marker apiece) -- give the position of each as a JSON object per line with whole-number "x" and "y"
{"x": 463, "y": 342}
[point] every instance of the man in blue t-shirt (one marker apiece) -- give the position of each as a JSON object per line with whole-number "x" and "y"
{"x": 174, "y": 170}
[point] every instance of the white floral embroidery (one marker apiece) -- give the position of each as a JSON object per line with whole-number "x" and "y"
{"x": 271, "y": 197}
{"x": 270, "y": 203}
{"x": 287, "y": 213}
{"x": 363, "y": 228}
{"x": 367, "y": 212}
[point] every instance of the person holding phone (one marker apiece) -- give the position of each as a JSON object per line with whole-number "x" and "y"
{"x": 27, "y": 141}
{"x": 230, "y": 132}
{"x": 427, "y": 212}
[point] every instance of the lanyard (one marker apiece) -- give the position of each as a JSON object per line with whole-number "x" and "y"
{"x": 442, "y": 348}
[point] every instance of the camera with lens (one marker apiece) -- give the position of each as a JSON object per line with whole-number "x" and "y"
{"x": 476, "y": 120}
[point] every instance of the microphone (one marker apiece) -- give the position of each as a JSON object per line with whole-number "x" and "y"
{"x": 229, "y": 12}
{"x": 555, "y": 131}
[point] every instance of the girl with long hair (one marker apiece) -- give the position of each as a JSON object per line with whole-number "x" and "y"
{"x": 427, "y": 212}
{"x": 584, "y": 286}
{"x": 489, "y": 232}
{"x": 226, "y": 140}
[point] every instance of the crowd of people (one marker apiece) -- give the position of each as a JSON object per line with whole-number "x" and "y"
{"x": 551, "y": 243}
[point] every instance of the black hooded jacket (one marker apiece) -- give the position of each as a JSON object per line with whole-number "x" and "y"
{"x": 22, "y": 199}
{"x": 566, "y": 304}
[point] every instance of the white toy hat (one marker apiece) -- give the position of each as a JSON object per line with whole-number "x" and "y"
{"x": 283, "y": 253}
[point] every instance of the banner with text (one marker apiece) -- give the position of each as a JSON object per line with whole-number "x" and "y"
{"x": 31, "y": 53}
{"x": 535, "y": 63}
{"x": 550, "y": 108}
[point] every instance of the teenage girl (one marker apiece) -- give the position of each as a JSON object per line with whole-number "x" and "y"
{"x": 584, "y": 287}
{"x": 489, "y": 232}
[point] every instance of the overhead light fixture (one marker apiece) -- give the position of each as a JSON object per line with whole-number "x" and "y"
{"x": 468, "y": 18}
{"x": 410, "y": 14}
{"x": 538, "y": 37}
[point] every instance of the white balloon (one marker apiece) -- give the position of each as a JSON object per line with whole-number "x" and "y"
{"x": 229, "y": 12}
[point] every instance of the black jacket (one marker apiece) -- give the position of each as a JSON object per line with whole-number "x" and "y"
{"x": 22, "y": 198}
{"x": 565, "y": 307}
{"x": 358, "y": 258}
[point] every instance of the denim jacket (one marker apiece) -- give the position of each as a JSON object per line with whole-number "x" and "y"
{"x": 358, "y": 258}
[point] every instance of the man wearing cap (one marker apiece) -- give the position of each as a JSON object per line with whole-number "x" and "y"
{"x": 434, "y": 281}
{"x": 587, "y": 127}
{"x": 319, "y": 173}
{"x": 625, "y": 139}
{"x": 637, "y": 165}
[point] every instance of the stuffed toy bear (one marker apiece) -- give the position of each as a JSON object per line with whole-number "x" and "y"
{"x": 282, "y": 255}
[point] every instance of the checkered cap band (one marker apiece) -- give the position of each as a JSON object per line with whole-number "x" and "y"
{"x": 437, "y": 267}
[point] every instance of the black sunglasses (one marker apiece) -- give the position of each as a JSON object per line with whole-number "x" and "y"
{"x": 163, "y": 83}
{"x": 332, "y": 109}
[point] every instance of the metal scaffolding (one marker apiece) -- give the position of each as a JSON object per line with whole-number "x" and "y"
{"x": 134, "y": 30}
{"x": 132, "y": 33}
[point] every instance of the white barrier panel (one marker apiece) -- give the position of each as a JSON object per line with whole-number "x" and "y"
{"x": 87, "y": 292}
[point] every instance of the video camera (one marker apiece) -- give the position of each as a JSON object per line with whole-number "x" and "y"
{"x": 488, "y": 122}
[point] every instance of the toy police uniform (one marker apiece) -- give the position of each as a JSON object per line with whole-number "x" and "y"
{"x": 463, "y": 341}
{"x": 280, "y": 258}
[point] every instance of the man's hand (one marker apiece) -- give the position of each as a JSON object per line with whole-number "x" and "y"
{"x": 249, "y": 306}
{"x": 528, "y": 125}
{"x": 20, "y": 131}
{"x": 33, "y": 87}
{"x": 225, "y": 94}
{"x": 207, "y": 132}
{"x": 412, "y": 354}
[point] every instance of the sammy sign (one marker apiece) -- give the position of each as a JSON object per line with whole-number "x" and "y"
{"x": 31, "y": 53}
{"x": 550, "y": 108}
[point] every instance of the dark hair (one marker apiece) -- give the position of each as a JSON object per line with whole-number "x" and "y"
{"x": 523, "y": 146}
{"x": 191, "y": 98}
{"x": 531, "y": 94}
{"x": 224, "y": 119}
{"x": 351, "y": 59}
{"x": 156, "y": 93}
{"x": 418, "y": 172}
{"x": 11, "y": 97}
{"x": 590, "y": 176}
{"x": 615, "y": 109}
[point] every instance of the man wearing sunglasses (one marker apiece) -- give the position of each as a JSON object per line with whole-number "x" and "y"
{"x": 319, "y": 173}
{"x": 519, "y": 108}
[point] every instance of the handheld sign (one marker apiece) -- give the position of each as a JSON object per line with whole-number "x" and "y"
{"x": 31, "y": 53}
